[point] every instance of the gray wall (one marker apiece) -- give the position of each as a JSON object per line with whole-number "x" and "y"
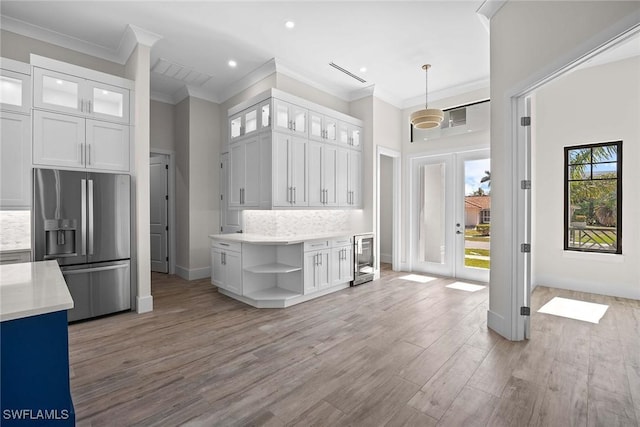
{"x": 162, "y": 126}
{"x": 18, "y": 47}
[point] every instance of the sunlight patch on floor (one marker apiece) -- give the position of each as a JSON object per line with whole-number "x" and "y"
{"x": 417, "y": 278}
{"x": 465, "y": 287}
{"x": 574, "y": 309}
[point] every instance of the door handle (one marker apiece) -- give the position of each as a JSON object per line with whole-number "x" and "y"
{"x": 90, "y": 208}
{"x": 83, "y": 217}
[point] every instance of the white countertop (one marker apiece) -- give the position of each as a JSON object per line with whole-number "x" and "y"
{"x": 32, "y": 288}
{"x": 281, "y": 240}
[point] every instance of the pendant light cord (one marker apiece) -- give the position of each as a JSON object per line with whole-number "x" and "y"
{"x": 426, "y": 88}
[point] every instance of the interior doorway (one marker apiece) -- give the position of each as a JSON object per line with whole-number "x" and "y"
{"x": 557, "y": 121}
{"x": 162, "y": 211}
{"x": 388, "y": 208}
{"x": 451, "y": 214}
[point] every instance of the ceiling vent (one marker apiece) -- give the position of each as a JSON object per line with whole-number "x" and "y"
{"x": 347, "y": 72}
{"x": 180, "y": 72}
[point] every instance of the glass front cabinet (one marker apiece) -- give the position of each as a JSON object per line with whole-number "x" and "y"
{"x": 15, "y": 87}
{"x": 74, "y": 95}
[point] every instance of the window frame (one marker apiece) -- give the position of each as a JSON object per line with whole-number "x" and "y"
{"x": 567, "y": 181}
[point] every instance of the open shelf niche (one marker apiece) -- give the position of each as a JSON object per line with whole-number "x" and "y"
{"x": 272, "y": 272}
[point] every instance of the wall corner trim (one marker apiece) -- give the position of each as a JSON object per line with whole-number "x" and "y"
{"x": 134, "y": 35}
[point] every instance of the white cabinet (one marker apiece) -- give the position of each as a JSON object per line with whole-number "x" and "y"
{"x": 301, "y": 163}
{"x": 341, "y": 264}
{"x": 322, "y": 128}
{"x": 322, "y": 171}
{"x": 349, "y": 178}
{"x": 316, "y": 270}
{"x": 71, "y": 141}
{"x": 226, "y": 266}
{"x": 15, "y": 86}
{"x": 350, "y": 135}
{"x": 289, "y": 170}
{"x": 75, "y": 95}
{"x": 289, "y": 117}
{"x": 15, "y": 160}
{"x": 244, "y": 173}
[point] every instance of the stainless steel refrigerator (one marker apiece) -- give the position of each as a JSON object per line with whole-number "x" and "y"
{"x": 83, "y": 220}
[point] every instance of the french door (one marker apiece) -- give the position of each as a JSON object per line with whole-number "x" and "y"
{"x": 451, "y": 215}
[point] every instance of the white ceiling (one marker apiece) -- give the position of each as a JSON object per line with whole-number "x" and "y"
{"x": 391, "y": 39}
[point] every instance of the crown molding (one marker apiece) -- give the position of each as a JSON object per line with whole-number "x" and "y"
{"x": 260, "y": 73}
{"x": 162, "y": 97}
{"x": 489, "y": 8}
{"x": 290, "y": 71}
{"x": 133, "y": 36}
{"x": 35, "y": 32}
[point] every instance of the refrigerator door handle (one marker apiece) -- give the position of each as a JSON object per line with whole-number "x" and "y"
{"x": 90, "y": 209}
{"x": 83, "y": 217}
{"x": 93, "y": 270}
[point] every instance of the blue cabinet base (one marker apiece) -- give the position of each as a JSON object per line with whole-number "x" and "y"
{"x": 34, "y": 371}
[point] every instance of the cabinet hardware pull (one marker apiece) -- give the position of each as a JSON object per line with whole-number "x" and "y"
{"x": 294, "y": 195}
{"x": 89, "y": 106}
{"x": 88, "y": 154}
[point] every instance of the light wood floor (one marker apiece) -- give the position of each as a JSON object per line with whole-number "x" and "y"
{"x": 387, "y": 353}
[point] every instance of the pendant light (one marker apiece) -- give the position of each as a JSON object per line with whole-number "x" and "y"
{"x": 429, "y": 117}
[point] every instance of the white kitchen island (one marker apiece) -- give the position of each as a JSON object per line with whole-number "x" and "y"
{"x": 277, "y": 272}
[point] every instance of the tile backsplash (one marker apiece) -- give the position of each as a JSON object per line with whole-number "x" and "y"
{"x": 15, "y": 230}
{"x": 295, "y": 223}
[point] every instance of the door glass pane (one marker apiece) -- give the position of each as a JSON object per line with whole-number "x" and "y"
{"x": 331, "y": 131}
{"x": 282, "y": 115}
{"x": 266, "y": 117}
{"x": 251, "y": 121}
{"x": 477, "y": 213}
{"x": 60, "y": 92}
{"x": 300, "y": 121}
{"x": 10, "y": 91}
{"x": 108, "y": 102}
{"x": 355, "y": 137}
{"x": 235, "y": 127}
{"x": 431, "y": 242}
{"x": 316, "y": 126}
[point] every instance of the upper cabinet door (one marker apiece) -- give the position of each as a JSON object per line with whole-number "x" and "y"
{"x": 58, "y": 91}
{"x": 355, "y": 134}
{"x": 290, "y": 117}
{"x": 106, "y": 102}
{"x": 15, "y": 161}
{"x": 330, "y": 126}
{"x": 58, "y": 139}
{"x": 107, "y": 146}
{"x": 316, "y": 129}
{"x": 265, "y": 114}
{"x": 15, "y": 92}
{"x": 235, "y": 127}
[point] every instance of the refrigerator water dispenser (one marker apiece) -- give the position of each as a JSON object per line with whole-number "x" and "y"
{"x": 60, "y": 237}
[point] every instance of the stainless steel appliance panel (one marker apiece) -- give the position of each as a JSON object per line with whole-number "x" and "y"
{"x": 59, "y": 216}
{"x": 98, "y": 289}
{"x": 108, "y": 217}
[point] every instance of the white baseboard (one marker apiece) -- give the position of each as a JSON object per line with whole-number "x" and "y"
{"x": 144, "y": 304}
{"x": 194, "y": 273}
{"x": 386, "y": 258}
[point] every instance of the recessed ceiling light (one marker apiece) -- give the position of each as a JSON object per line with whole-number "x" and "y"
{"x": 59, "y": 82}
{"x": 363, "y": 69}
{"x": 105, "y": 92}
{"x": 232, "y": 63}
{"x": 289, "y": 24}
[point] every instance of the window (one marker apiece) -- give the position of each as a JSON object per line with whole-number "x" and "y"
{"x": 485, "y": 216}
{"x": 593, "y": 198}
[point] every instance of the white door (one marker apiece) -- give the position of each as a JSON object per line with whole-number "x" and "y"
{"x": 230, "y": 220}
{"x": 451, "y": 215}
{"x": 158, "y": 204}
